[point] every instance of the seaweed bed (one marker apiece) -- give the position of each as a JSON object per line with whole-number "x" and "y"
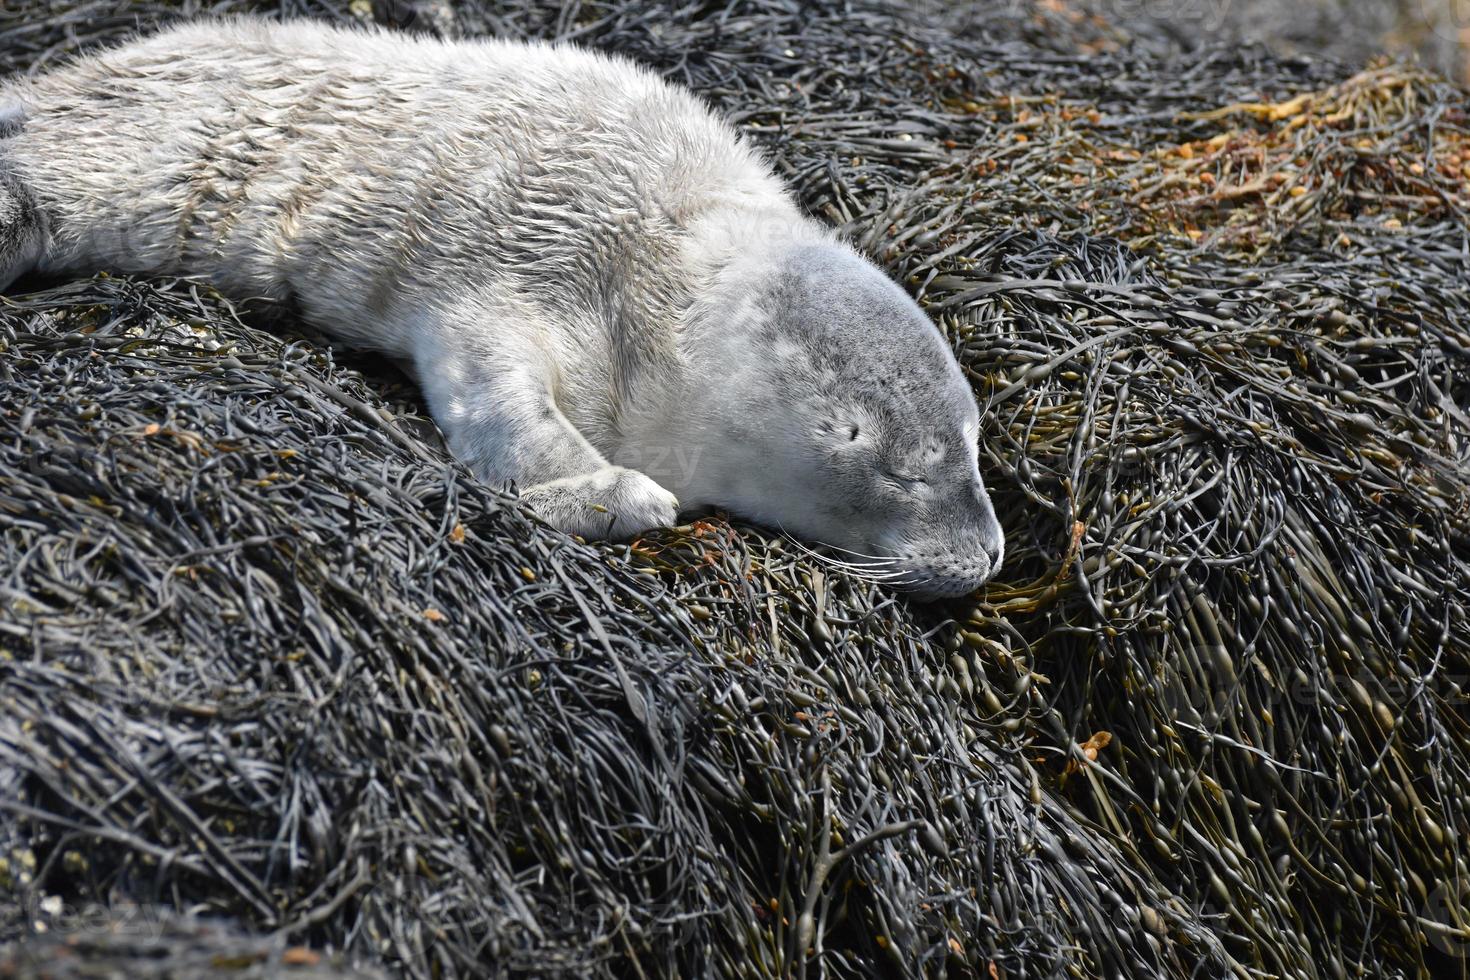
{"x": 282, "y": 689}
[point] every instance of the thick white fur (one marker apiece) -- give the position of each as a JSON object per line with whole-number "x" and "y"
{"x": 587, "y": 271}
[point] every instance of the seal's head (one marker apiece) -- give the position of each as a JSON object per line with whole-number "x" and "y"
{"x": 835, "y": 411}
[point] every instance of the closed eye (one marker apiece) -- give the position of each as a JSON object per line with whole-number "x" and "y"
{"x": 907, "y": 482}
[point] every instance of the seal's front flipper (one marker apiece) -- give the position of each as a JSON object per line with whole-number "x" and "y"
{"x": 499, "y": 416}
{"x": 612, "y": 503}
{"x": 22, "y": 228}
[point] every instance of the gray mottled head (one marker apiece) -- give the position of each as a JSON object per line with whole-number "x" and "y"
{"x": 837, "y": 413}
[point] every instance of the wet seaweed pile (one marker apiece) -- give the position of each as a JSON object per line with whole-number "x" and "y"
{"x": 269, "y": 660}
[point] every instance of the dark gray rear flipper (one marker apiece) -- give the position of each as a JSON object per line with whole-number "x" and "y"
{"x": 22, "y": 228}
{"x": 22, "y": 224}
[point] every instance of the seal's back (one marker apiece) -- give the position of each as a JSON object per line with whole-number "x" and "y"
{"x": 345, "y": 171}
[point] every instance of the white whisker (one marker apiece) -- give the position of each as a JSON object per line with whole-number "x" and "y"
{"x": 869, "y": 560}
{"x": 879, "y": 570}
{"x": 859, "y": 554}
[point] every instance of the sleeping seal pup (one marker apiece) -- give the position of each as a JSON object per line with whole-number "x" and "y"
{"x": 608, "y": 299}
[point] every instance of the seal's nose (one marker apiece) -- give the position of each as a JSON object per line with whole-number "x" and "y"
{"x": 992, "y": 538}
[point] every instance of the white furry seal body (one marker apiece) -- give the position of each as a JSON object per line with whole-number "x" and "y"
{"x": 607, "y": 297}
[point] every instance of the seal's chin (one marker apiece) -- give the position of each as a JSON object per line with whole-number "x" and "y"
{"x": 932, "y": 578}
{"x": 935, "y": 584}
